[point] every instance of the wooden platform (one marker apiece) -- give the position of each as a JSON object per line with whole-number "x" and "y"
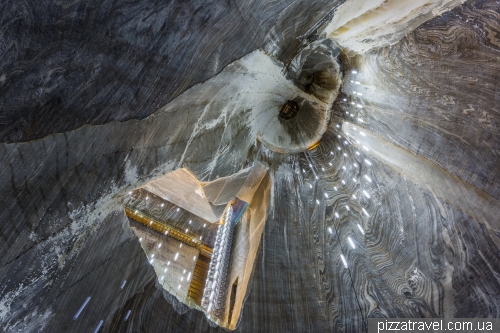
{"x": 199, "y": 278}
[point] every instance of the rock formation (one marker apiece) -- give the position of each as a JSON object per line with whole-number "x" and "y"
{"x": 392, "y": 163}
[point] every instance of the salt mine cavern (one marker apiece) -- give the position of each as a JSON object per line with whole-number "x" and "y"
{"x": 248, "y": 166}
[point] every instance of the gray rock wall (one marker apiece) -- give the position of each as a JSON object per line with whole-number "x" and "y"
{"x": 69, "y": 64}
{"x": 63, "y": 232}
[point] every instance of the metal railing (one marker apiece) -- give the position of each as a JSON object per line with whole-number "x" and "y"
{"x": 168, "y": 230}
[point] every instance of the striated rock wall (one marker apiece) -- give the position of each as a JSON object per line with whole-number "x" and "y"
{"x": 63, "y": 232}
{"x": 69, "y": 64}
{"x": 360, "y": 26}
{"x": 436, "y": 93}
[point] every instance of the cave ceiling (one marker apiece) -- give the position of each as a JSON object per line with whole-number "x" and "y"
{"x": 378, "y": 122}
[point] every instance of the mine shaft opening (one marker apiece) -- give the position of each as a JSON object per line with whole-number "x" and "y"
{"x": 232, "y": 299}
{"x": 288, "y": 110}
{"x": 201, "y": 238}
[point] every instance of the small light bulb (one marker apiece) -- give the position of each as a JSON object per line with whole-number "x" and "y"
{"x": 343, "y": 260}
{"x": 351, "y": 242}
